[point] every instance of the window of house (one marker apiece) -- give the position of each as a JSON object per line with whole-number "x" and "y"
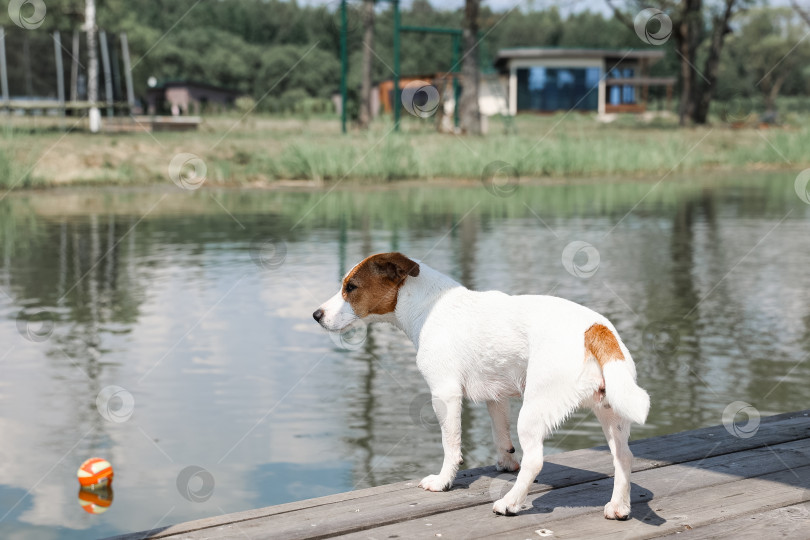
{"x": 619, "y": 94}
{"x": 553, "y": 89}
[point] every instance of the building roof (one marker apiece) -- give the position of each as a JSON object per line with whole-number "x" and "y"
{"x": 504, "y": 55}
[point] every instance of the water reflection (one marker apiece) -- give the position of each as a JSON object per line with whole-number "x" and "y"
{"x": 203, "y": 318}
{"x": 96, "y": 501}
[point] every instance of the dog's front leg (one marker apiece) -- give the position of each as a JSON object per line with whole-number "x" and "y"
{"x": 448, "y": 412}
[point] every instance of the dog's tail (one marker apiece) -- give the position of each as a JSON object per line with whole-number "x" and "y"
{"x": 623, "y": 394}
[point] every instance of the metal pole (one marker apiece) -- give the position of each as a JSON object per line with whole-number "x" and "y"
{"x": 3, "y": 70}
{"x": 456, "y": 86}
{"x": 396, "y": 104}
{"x": 60, "y": 74}
{"x": 105, "y": 60}
{"x": 343, "y": 64}
{"x": 127, "y": 71}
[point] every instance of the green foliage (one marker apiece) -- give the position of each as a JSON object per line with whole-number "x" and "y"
{"x": 245, "y": 104}
{"x": 262, "y": 149}
{"x": 13, "y": 174}
{"x": 767, "y": 56}
{"x": 266, "y": 48}
{"x": 285, "y": 55}
{"x": 6, "y": 169}
{"x": 293, "y": 67}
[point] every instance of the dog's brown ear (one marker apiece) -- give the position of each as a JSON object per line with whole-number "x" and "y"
{"x": 396, "y": 266}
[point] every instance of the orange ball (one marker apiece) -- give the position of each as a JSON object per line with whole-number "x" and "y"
{"x": 95, "y": 472}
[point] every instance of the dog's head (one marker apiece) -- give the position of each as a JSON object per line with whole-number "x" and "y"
{"x": 370, "y": 288}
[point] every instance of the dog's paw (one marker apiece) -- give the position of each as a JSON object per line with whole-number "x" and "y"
{"x": 617, "y": 510}
{"x": 434, "y": 482}
{"x": 507, "y": 462}
{"x": 503, "y": 508}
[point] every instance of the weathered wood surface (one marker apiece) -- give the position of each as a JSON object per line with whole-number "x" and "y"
{"x": 786, "y": 522}
{"x": 702, "y": 483}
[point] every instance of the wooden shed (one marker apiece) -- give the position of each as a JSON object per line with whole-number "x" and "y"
{"x": 188, "y": 97}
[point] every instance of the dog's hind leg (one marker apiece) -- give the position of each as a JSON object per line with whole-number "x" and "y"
{"x": 499, "y": 412}
{"x": 532, "y": 427}
{"x": 617, "y": 432}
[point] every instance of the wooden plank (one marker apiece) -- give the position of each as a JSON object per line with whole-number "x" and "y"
{"x": 575, "y": 502}
{"x": 398, "y": 502}
{"x": 791, "y": 521}
{"x": 35, "y": 104}
{"x": 695, "y": 444}
{"x": 174, "y": 123}
{"x": 690, "y": 511}
{"x": 639, "y": 81}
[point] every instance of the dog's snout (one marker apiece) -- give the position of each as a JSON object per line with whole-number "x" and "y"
{"x": 318, "y": 315}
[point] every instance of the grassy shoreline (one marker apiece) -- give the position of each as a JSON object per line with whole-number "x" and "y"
{"x": 258, "y": 151}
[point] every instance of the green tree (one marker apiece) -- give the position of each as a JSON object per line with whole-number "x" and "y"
{"x": 769, "y": 50}
{"x": 289, "y": 67}
{"x": 699, "y": 30}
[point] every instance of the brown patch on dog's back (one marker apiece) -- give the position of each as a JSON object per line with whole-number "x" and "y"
{"x": 602, "y": 344}
{"x": 377, "y": 280}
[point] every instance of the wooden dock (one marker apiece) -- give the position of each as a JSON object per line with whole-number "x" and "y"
{"x": 705, "y": 483}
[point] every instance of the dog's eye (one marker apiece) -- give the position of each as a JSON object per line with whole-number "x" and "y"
{"x": 350, "y": 287}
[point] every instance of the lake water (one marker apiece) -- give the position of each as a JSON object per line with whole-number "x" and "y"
{"x": 196, "y": 308}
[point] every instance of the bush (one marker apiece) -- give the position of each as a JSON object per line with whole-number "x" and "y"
{"x": 245, "y": 104}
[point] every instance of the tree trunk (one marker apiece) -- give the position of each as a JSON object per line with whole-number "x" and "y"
{"x": 685, "y": 104}
{"x": 92, "y": 64}
{"x": 368, "y": 48}
{"x": 706, "y": 88}
{"x": 687, "y": 41}
{"x": 773, "y": 92}
{"x": 470, "y": 113}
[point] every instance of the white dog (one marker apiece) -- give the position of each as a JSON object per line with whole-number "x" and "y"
{"x": 489, "y": 346}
